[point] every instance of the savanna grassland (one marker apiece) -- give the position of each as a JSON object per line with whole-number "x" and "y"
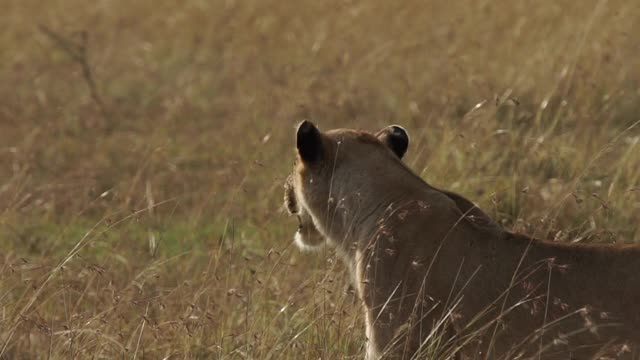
{"x": 143, "y": 147}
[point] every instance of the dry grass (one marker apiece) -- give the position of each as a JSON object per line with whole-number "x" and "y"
{"x": 140, "y": 219}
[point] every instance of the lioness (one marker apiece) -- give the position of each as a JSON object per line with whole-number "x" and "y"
{"x": 433, "y": 271}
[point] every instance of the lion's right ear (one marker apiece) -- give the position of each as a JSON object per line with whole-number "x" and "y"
{"x": 395, "y": 138}
{"x": 309, "y": 142}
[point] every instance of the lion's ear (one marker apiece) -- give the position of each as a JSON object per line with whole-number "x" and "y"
{"x": 309, "y": 142}
{"x": 395, "y": 138}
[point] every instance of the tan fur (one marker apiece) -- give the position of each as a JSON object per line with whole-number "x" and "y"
{"x": 431, "y": 266}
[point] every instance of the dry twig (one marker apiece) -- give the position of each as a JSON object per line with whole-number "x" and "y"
{"x": 79, "y": 53}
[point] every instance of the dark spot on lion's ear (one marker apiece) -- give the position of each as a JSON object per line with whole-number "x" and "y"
{"x": 395, "y": 138}
{"x": 309, "y": 142}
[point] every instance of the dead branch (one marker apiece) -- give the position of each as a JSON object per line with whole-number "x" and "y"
{"x": 78, "y": 53}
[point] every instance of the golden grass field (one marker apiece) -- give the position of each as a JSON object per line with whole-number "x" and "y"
{"x": 140, "y": 217}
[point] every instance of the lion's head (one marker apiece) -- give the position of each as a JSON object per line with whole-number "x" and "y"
{"x": 328, "y": 164}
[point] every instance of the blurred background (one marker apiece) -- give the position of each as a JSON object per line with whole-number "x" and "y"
{"x": 143, "y": 147}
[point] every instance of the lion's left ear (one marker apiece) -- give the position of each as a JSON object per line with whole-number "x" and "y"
{"x": 395, "y": 138}
{"x": 309, "y": 142}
